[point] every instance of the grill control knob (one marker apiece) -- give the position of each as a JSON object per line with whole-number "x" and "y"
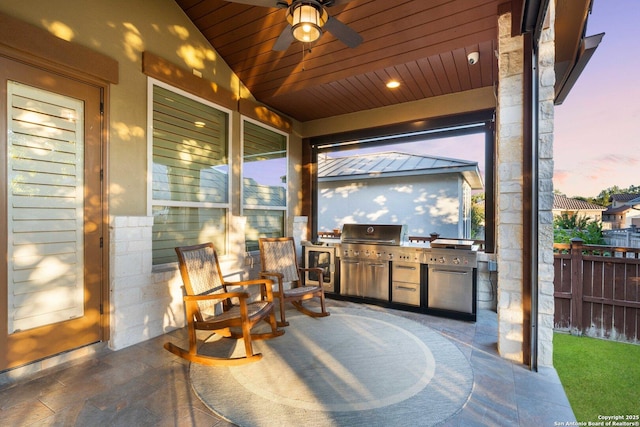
{"x": 456, "y": 260}
{"x": 441, "y": 260}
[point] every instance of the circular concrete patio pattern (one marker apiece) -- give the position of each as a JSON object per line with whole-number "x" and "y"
{"x": 356, "y": 367}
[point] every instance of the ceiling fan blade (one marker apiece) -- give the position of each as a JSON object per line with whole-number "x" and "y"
{"x": 342, "y": 32}
{"x": 337, "y": 2}
{"x": 284, "y": 40}
{"x": 263, "y": 3}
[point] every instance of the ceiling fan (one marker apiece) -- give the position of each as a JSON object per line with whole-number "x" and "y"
{"x": 307, "y": 20}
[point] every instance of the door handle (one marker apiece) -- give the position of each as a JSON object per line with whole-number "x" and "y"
{"x": 455, "y": 272}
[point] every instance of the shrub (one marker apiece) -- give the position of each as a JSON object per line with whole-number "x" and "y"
{"x": 567, "y": 227}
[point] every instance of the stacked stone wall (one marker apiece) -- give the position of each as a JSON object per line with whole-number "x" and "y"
{"x": 509, "y": 224}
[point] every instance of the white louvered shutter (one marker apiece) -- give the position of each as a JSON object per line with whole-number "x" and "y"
{"x": 44, "y": 207}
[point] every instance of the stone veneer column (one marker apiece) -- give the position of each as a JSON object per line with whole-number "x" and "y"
{"x": 509, "y": 224}
{"x": 510, "y": 191}
{"x": 546, "y": 60}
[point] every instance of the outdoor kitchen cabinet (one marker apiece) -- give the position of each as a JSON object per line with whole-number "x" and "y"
{"x": 378, "y": 266}
{"x": 365, "y": 278}
{"x": 406, "y": 283}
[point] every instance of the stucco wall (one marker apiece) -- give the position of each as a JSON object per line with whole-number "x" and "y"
{"x": 439, "y": 106}
{"x": 122, "y": 30}
{"x": 426, "y": 204}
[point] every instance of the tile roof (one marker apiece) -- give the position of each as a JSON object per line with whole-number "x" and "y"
{"x": 565, "y": 203}
{"x": 634, "y": 201}
{"x": 620, "y": 209}
{"x": 622, "y": 197}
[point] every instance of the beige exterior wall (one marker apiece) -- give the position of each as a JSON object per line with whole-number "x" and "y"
{"x": 122, "y": 30}
{"x": 457, "y": 103}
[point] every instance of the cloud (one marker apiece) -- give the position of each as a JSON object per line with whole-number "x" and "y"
{"x": 617, "y": 159}
{"x": 560, "y": 176}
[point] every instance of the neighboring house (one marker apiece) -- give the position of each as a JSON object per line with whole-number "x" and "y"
{"x": 98, "y": 92}
{"x": 428, "y": 194}
{"x": 572, "y": 207}
{"x": 622, "y": 213}
{"x": 634, "y": 216}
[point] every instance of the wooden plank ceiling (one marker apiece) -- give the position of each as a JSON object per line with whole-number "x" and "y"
{"x": 421, "y": 43}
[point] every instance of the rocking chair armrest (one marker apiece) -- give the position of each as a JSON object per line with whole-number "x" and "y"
{"x": 317, "y": 270}
{"x": 267, "y": 274}
{"x": 220, "y": 296}
{"x": 253, "y": 282}
{"x": 265, "y": 284}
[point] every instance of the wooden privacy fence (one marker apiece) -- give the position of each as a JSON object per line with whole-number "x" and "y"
{"x": 597, "y": 290}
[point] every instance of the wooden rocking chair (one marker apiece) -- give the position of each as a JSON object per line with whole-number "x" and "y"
{"x": 208, "y": 306}
{"x": 278, "y": 261}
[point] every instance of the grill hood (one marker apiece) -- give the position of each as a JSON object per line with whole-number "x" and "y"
{"x": 376, "y": 234}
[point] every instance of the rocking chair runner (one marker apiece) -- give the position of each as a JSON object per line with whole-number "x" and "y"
{"x": 208, "y": 306}
{"x": 279, "y": 262}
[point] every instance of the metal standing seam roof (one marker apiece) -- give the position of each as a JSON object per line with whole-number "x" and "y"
{"x": 394, "y": 163}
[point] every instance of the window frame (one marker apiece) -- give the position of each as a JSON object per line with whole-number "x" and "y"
{"x": 151, "y": 202}
{"x": 243, "y": 207}
{"x": 458, "y": 124}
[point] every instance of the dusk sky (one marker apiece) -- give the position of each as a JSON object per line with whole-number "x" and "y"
{"x": 597, "y": 128}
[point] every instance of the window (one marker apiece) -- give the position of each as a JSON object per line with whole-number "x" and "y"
{"x": 189, "y": 162}
{"x": 264, "y": 182}
{"x": 434, "y": 176}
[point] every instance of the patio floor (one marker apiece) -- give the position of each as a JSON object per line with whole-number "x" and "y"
{"x": 146, "y": 385}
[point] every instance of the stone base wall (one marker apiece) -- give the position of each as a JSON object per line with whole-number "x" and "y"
{"x": 146, "y": 301}
{"x": 143, "y": 304}
{"x": 487, "y": 283}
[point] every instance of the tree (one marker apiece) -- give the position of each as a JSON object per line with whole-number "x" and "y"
{"x": 477, "y": 216}
{"x": 603, "y": 198}
{"x": 566, "y": 227}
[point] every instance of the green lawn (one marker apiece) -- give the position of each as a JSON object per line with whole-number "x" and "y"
{"x": 600, "y": 377}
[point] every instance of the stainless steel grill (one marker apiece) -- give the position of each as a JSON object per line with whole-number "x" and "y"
{"x": 367, "y": 253}
{"x": 374, "y": 234}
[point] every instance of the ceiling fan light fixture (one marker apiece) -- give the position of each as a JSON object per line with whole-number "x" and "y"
{"x": 307, "y": 19}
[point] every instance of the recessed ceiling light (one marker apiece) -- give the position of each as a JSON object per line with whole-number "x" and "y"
{"x": 393, "y": 84}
